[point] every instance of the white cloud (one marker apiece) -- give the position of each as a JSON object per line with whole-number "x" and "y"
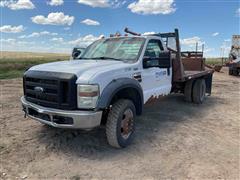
{"x": 57, "y": 44}
{"x": 95, "y": 3}
{"x": 4, "y": 3}
{"x": 191, "y": 41}
{"x": 57, "y": 18}
{"x": 148, "y": 33}
{"x": 58, "y": 40}
{"x": 38, "y": 34}
{"x": 238, "y": 12}
{"x": 14, "y": 42}
{"x": 8, "y": 41}
{"x": 189, "y": 44}
{"x": 118, "y": 3}
{"x": 207, "y": 50}
{"x": 103, "y": 3}
{"x": 152, "y": 7}
{"x": 215, "y": 34}
{"x": 25, "y": 43}
{"x": 225, "y": 46}
{"x": 55, "y": 2}
{"x": 84, "y": 41}
{"x": 17, "y": 5}
{"x": 90, "y": 22}
{"x": 11, "y": 29}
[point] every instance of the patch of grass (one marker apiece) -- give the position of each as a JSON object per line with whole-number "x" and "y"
{"x": 11, "y": 74}
{"x": 13, "y": 64}
{"x": 214, "y": 61}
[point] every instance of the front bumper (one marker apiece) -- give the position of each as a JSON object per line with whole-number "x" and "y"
{"x": 61, "y": 118}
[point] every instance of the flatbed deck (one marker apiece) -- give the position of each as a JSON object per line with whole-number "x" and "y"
{"x": 196, "y": 74}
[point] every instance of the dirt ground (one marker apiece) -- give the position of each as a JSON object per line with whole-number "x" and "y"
{"x": 174, "y": 140}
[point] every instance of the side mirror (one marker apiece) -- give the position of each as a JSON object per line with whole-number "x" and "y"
{"x": 76, "y": 53}
{"x": 150, "y": 62}
{"x": 163, "y": 61}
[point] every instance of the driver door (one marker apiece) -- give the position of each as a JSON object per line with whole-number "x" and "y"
{"x": 156, "y": 81}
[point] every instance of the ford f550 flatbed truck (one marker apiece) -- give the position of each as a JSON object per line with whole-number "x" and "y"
{"x": 109, "y": 84}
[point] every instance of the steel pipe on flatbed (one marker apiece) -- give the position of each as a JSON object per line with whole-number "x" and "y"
{"x": 126, "y": 30}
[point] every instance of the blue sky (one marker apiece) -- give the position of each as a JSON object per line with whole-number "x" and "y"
{"x": 59, "y": 25}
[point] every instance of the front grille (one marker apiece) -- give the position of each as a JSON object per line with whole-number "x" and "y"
{"x": 50, "y": 89}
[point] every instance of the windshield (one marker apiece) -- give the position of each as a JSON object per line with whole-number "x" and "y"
{"x": 122, "y": 49}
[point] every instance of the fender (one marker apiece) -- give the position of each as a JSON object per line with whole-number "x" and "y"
{"x": 114, "y": 87}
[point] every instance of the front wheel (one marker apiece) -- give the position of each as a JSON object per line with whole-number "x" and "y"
{"x": 120, "y": 125}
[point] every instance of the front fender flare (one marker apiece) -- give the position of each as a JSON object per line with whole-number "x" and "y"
{"x": 114, "y": 87}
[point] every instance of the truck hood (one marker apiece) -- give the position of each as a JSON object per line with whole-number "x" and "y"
{"x": 86, "y": 68}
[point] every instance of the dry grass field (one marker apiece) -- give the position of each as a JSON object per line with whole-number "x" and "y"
{"x": 13, "y": 64}
{"x": 215, "y": 61}
{"x": 29, "y": 55}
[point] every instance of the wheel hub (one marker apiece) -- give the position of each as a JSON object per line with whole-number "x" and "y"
{"x": 127, "y": 123}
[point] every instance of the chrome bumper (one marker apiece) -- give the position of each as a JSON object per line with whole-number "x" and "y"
{"x": 79, "y": 119}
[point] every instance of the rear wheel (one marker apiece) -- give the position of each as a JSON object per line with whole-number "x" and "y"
{"x": 199, "y": 91}
{"x": 120, "y": 124}
{"x": 230, "y": 71}
{"x": 235, "y": 72}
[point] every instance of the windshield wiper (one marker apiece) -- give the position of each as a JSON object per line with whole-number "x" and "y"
{"x": 84, "y": 58}
{"x": 105, "y": 58}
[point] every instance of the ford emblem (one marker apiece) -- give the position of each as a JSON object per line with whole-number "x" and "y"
{"x": 39, "y": 89}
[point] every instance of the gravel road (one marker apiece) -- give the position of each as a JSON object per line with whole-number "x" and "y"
{"x": 174, "y": 140}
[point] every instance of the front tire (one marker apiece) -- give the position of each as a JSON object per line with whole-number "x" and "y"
{"x": 120, "y": 124}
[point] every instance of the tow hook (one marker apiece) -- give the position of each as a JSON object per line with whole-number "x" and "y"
{"x": 25, "y": 113}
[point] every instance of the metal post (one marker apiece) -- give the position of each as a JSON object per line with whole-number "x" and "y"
{"x": 178, "y": 55}
{"x": 196, "y": 49}
{"x": 177, "y": 63}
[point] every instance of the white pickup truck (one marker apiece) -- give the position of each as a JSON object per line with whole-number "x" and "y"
{"x": 111, "y": 82}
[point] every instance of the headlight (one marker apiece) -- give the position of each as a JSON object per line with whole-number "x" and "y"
{"x": 87, "y": 96}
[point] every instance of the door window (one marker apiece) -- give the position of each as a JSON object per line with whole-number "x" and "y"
{"x": 154, "y": 48}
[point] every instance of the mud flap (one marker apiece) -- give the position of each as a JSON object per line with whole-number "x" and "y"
{"x": 208, "y": 81}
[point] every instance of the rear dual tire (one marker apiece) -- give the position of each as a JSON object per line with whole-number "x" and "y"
{"x": 199, "y": 91}
{"x": 235, "y": 72}
{"x": 195, "y": 91}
